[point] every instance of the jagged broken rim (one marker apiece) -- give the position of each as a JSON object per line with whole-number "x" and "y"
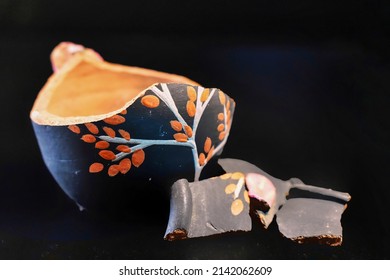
{"x": 85, "y": 88}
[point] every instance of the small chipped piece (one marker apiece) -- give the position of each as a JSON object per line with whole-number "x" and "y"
{"x": 307, "y": 220}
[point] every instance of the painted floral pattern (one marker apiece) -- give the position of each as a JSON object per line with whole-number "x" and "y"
{"x": 119, "y": 152}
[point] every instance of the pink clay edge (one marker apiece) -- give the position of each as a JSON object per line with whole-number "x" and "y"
{"x": 260, "y": 188}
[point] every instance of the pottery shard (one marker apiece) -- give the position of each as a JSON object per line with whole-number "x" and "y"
{"x": 203, "y": 208}
{"x": 306, "y": 220}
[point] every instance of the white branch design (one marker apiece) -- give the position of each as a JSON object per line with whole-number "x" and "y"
{"x": 165, "y": 96}
{"x": 240, "y": 184}
{"x": 141, "y": 144}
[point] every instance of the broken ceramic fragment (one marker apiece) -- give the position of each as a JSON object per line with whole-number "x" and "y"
{"x": 306, "y": 220}
{"x": 213, "y": 206}
{"x": 282, "y": 187}
{"x": 97, "y": 122}
{"x": 301, "y": 219}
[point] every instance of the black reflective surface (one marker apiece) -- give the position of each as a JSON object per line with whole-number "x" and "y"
{"x": 312, "y": 107}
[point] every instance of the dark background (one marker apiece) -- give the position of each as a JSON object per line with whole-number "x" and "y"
{"x": 312, "y": 85}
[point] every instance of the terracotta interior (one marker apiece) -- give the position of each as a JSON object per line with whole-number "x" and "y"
{"x": 89, "y": 90}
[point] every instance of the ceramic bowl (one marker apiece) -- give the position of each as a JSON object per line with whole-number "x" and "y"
{"x": 103, "y": 127}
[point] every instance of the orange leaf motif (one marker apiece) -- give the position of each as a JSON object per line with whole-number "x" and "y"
{"x": 191, "y": 93}
{"x": 225, "y": 176}
{"x": 222, "y": 98}
{"x": 138, "y": 158}
{"x": 95, "y": 167}
{"x": 191, "y": 108}
{"x": 124, "y": 165}
{"x": 108, "y": 155}
{"x": 92, "y": 128}
{"x": 220, "y": 127}
{"x": 88, "y": 138}
{"x": 237, "y": 175}
{"x": 114, "y": 120}
{"x": 188, "y": 131}
{"x": 202, "y": 159}
{"x": 180, "y": 137}
{"x": 229, "y": 189}
{"x": 109, "y": 131}
{"x": 102, "y": 145}
{"x": 205, "y": 95}
{"x": 176, "y": 125}
{"x": 221, "y": 116}
{"x": 207, "y": 145}
{"x": 124, "y": 134}
{"x": 237, "y": 207}
{"x": 74, "y": 128}
{"x": 210, "y": 153}
{"x": 123, "y": 148}
{"x": 113, "y": 170}
{"x": 222, "y": 135}
{"x": 150, "y": 101}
